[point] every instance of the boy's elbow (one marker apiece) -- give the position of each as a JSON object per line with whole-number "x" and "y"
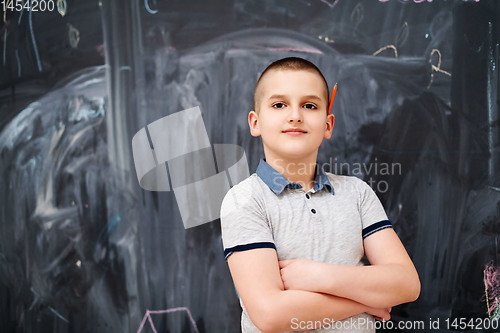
{"x": 268, "y": 324}
{"x": 264, "y": 323}
{"x": 415, "y": 290}
{"x": 412, "y": 287}
{"x": 269, "y": 328}
{"x": 266, "y": 318}
{"x": 263, "y": 317}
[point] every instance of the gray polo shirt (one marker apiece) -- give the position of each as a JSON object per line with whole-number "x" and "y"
{"x": 327, "y": 224}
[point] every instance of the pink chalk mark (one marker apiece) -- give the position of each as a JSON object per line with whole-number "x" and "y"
{"x": 492, "y": 286}
{"x": 151, "y": 323}
{"x": 295, "y": 49}
{"x": 100, "y": 49}
{"x": 148, "y": 314}
{"x": 331, "y": 5}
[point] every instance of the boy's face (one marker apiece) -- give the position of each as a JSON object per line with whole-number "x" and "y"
{"x": 291, "y": 114}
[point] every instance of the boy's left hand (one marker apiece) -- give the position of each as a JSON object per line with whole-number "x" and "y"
{"x": 301, "y": 274}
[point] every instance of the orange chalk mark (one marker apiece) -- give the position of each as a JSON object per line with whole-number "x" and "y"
{"x": 334, "y": 91}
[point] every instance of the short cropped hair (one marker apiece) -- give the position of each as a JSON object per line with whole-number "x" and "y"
{"x": 294, "y": 64}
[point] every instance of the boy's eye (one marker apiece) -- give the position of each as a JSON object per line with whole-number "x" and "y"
{"x": 310, "y": 106}
{"x": 279, "y": 105}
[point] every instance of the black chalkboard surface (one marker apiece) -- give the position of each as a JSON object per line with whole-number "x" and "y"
{"x": 83, "y": 248}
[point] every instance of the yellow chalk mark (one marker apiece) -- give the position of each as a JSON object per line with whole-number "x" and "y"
{"x": 62, "y": 7}
{"x": 486, "y": 292}
{"x": 388, "y": 47}
{"x": 5, "y": 13}
{"x": 436, "y": 68}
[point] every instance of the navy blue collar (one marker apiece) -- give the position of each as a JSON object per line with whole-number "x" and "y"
{"x": 277, "y": 182}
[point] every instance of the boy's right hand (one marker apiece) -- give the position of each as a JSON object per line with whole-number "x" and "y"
{"x": 380, "y": 314}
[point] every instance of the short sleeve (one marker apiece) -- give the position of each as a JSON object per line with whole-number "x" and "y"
{"x": 244, "y": 225}
{"x": 373, "y": 215}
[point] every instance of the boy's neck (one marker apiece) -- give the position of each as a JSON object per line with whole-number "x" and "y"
{"x": 300, "y": 171}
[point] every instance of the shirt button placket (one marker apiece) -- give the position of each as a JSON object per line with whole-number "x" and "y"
{"x": 312, "y": 209}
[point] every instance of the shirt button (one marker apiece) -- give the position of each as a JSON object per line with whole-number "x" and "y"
{"x": 307, "y": 196}
{"x": 313, "y": 211}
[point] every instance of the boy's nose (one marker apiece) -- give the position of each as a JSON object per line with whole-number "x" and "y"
{"x": 295, "y": 115}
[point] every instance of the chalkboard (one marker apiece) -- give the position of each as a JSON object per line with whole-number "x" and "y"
{"x": 84, "y": 248}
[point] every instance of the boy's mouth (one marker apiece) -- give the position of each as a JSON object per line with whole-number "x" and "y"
{"x": 294, "y": 131}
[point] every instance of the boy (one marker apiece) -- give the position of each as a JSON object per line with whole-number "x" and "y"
{"x": 294, "y": 236}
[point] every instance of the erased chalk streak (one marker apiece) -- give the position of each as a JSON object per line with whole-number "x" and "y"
{"x": 295, "y": 50}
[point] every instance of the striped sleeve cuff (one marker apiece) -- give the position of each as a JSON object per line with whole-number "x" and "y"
{"x": 229, "y": 251}
{"x": 376, "y": 227}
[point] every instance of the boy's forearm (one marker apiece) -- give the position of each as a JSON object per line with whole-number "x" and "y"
{"x": 291, "y": 307}
{"x": 377, "y": 286}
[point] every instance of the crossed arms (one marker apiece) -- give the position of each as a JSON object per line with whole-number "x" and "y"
{"x": 274, "y": 292}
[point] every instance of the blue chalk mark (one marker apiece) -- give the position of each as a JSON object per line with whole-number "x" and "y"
{"x": 34, "y": 42}
{"x": 110, "y": 227}
{"x": 114, "y": 223}
{"x": 35, "y": 300}
{"x": 21, "y": 15}
{"x": 58, "y": 314}
{"x": 50, "y": 308}
{"x": 150, "y": 11}
{"x": 18, "y": 64}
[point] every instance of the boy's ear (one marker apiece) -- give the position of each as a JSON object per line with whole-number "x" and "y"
{"x": 253, "y": 123}
{"x": 330, "y": 121}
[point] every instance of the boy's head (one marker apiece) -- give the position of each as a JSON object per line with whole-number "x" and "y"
{"x": 291, "y": 110}
{"x": 292, "y": 64}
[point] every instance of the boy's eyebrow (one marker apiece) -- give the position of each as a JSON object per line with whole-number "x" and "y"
{"x": 276, "y": 96}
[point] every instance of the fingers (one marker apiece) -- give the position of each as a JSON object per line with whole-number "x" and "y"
{"x": 382, "y": 314}
{"x": 283, "y": 263}
{"x": 386, "y": 314}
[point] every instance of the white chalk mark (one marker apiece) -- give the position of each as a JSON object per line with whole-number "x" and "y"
{"x": 18, "y": 64}
{"x": 388, "y": 47}
{"x": 431, "y": 81}
{"x": 357, "y": 15}
{"x": 402, "y": 34}
{"x": 325, "y": 38}
{"x": 148, "y": 314}
{"x": 5, "y": 46}
{"x": 331, "y": 5}
{"x": 58, "y": 314}
{"x": 150, "y": 11}
{"x": 34, "y": 42}
{"x": 73, "y": 36}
